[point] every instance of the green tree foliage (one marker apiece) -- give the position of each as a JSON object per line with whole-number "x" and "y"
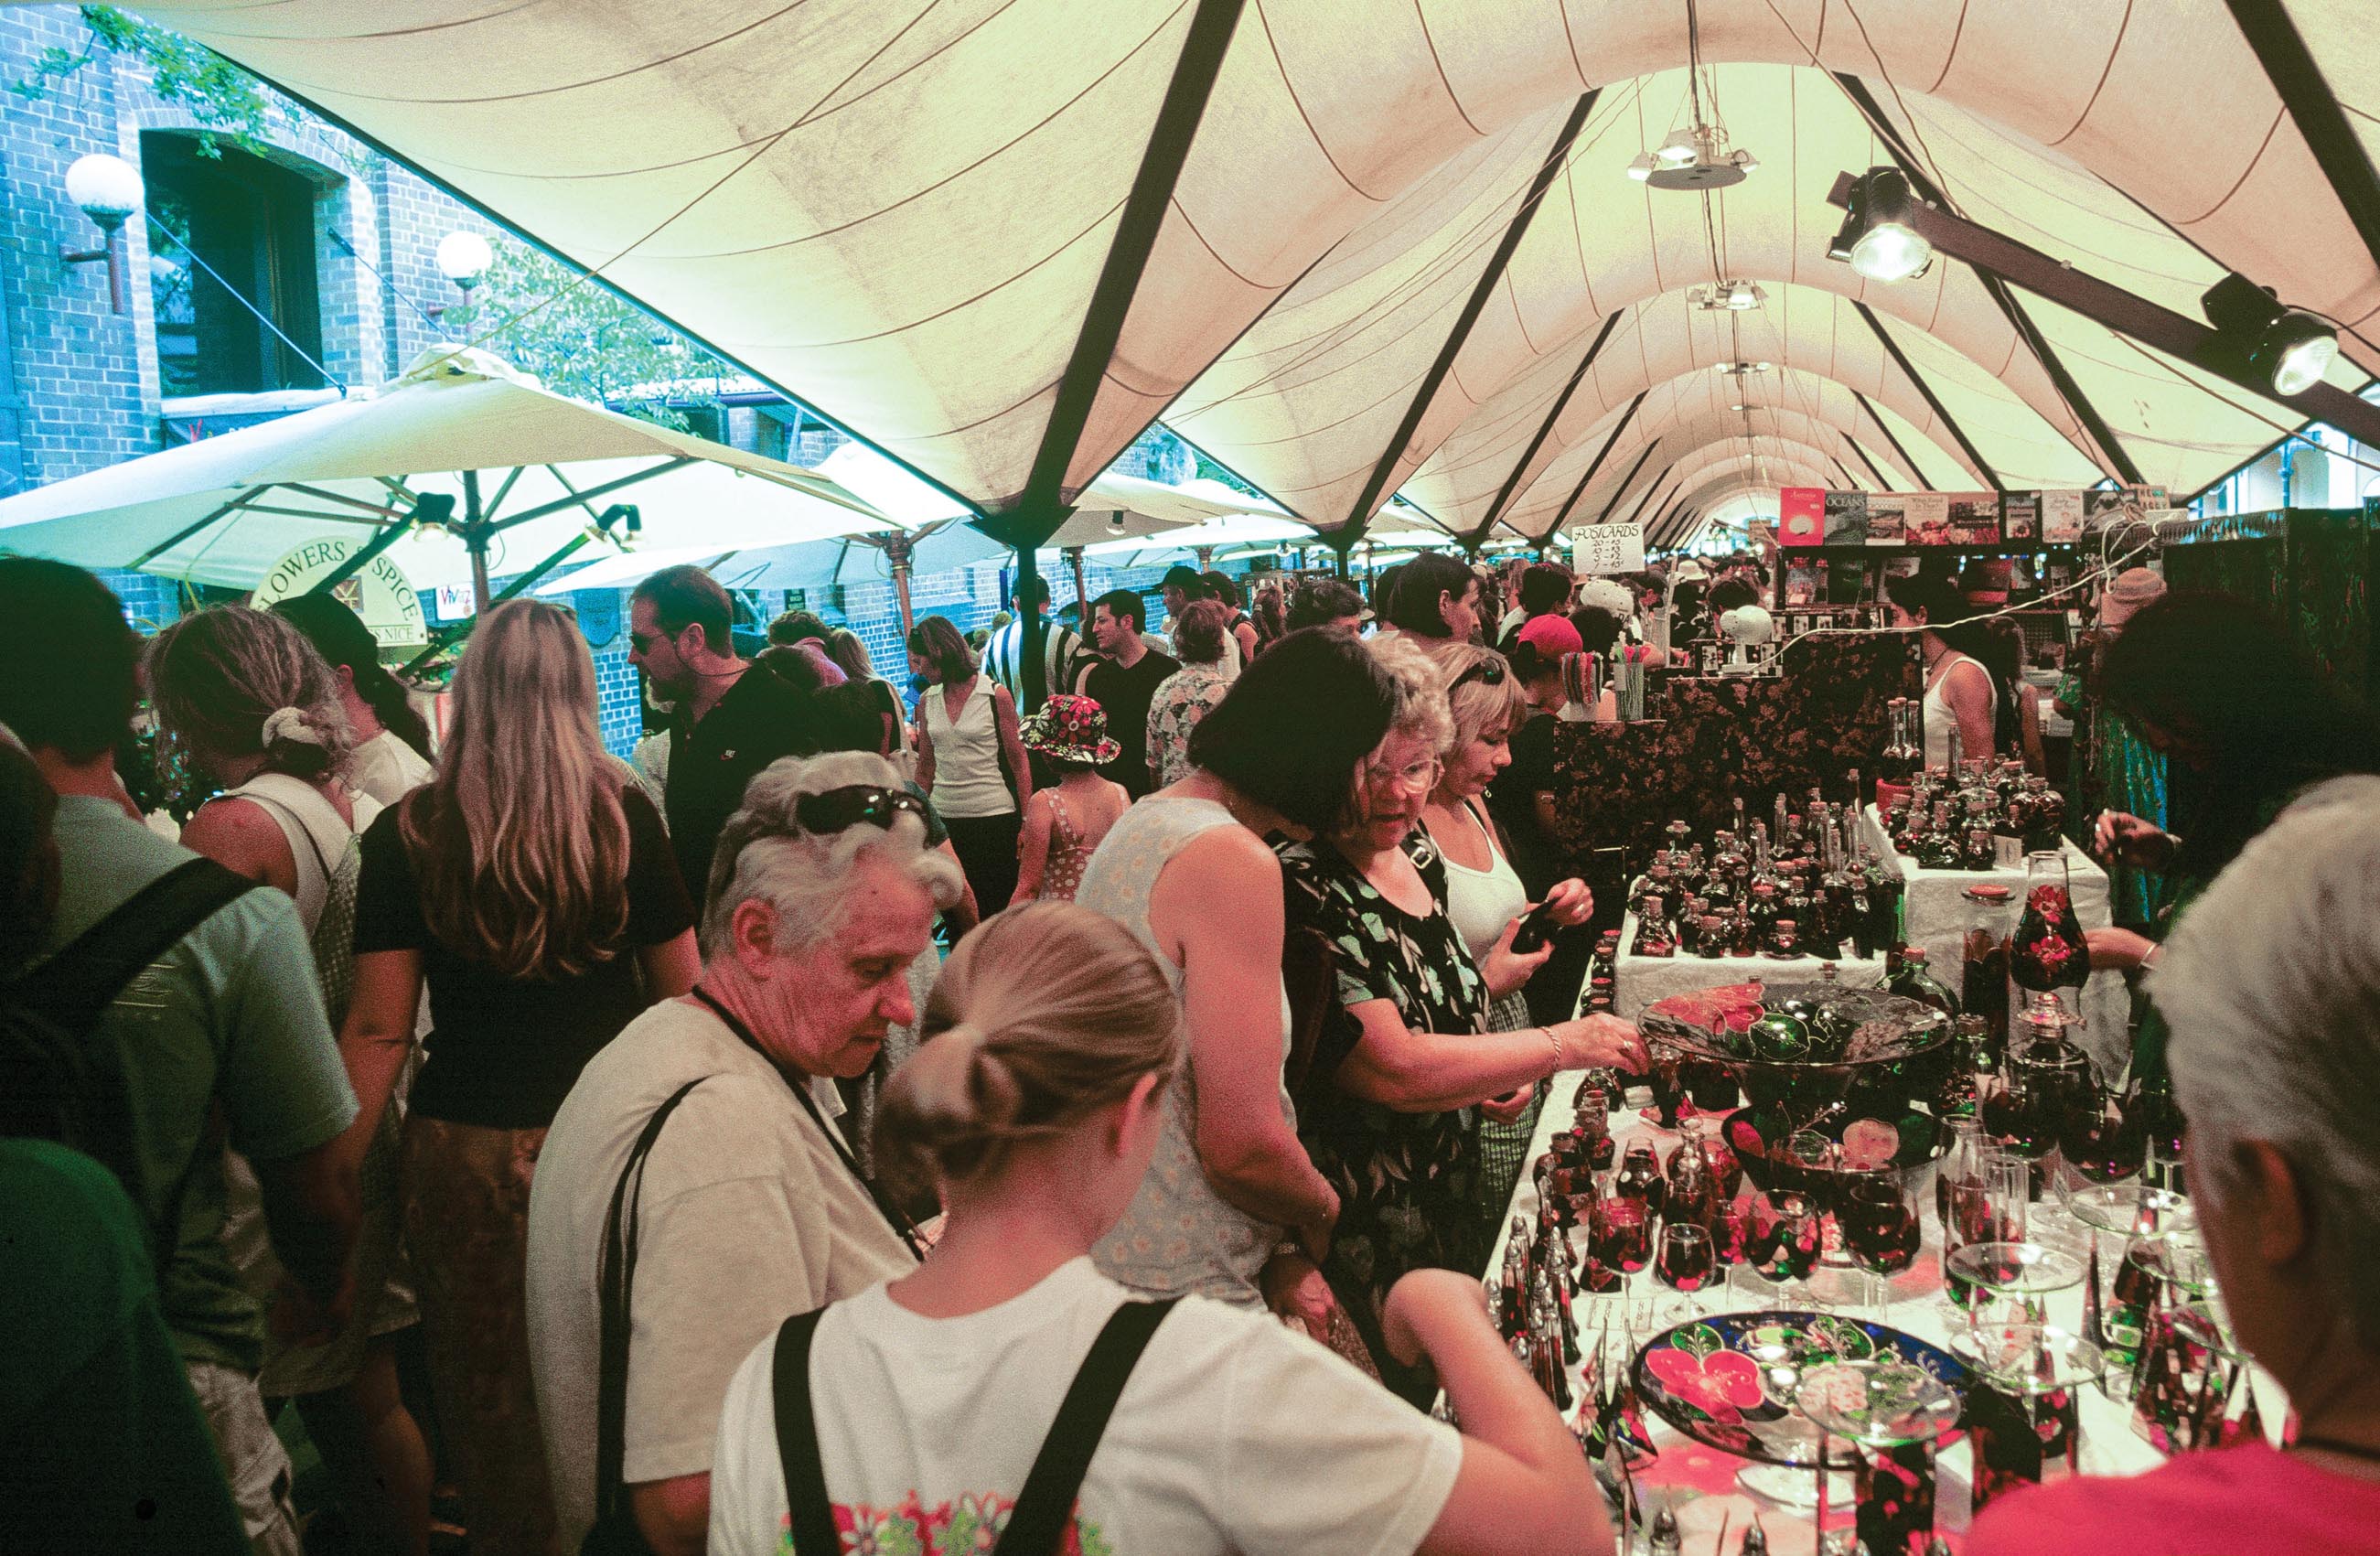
{"x": 545, "y": 317}
{"x": 227, "y": 101}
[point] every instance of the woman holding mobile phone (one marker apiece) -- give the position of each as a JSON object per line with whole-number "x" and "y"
{"x": 1509, "y": 937}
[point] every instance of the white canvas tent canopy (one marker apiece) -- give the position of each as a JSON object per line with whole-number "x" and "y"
{"x": 535, "y": 468}
{"x": 1355, "y": 248}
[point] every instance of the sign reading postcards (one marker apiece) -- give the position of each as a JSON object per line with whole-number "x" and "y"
{"x": 1608, "y": 548}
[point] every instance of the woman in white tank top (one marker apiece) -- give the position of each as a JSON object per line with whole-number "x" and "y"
{"x": 1960, "y": 692}
{"x": 970, "y": 751}
{"x": 1484, "y": 894}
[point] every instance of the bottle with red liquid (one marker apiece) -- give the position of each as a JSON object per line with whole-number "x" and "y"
{"x": 2047, "y": 952}
{"x": 1655, "y": 935}
{"x": 1621, "y": 1230}
{"x": 1640, "y": 1177}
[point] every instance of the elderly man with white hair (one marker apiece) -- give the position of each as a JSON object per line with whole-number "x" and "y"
{"x": 2271, "y": 985}
{"x": 748, "y": 1205}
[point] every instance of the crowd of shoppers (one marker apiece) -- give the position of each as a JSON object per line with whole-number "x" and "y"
{"x": 406, "y": 1038}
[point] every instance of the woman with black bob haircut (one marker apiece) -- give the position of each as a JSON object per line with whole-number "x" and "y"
{"x": 392, "y": 739}
{"x": 1436, "y": 600}
{"x": 1188, "y": 871}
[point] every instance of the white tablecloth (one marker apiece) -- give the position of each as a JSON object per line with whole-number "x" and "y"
{"x": 2109, "y": 1444}
{"x": 1640, "y": 981}
{"x": 1933, "y": 915}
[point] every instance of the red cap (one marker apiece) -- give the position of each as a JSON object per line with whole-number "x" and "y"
{"x": 1552, "y": 635}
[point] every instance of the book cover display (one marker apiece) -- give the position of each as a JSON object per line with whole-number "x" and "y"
{"x": 1847, "y": 518}
{"x": 1801, "y": 516}
{"x": 1926, "y": 517}
{"x": 1974, "y": 519}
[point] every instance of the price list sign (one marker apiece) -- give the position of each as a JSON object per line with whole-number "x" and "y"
{"x": 1608, "y": 548}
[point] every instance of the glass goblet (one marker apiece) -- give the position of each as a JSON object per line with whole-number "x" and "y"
{"x": 1686, "y": 1263}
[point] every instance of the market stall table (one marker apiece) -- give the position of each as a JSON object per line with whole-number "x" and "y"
{"x": 1640, "y": 981}
{"x": 1699, "y": 1482}
{"x": 1933, "y": 917}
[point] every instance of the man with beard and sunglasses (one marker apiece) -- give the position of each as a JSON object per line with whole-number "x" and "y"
{"x": 749, "y": 1205}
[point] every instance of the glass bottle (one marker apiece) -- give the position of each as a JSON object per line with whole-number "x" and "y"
{"x": 1689, "y": 1193}
{"x": 1713, "y": 938}
{"x": 1983, "y": 970}
{"x": 1885, "y": 891}
{"x": 1743, "y": 936}
{"x": 1939, "y": 848}
{"x": 1979, "y": 854}
{"x": 1961, "y": 1164}
{"x": 2045, "y": 817}
{"x": 2047, "y": 952}
{"x": 1900, "y": 759}
{"x": 1762, "y": 912}
{"x": 1961, "y": 1092}
{"x": 1640, "y": 1178}
{"x": 1655, "y": 935}
{"x": 1915, "y": 981}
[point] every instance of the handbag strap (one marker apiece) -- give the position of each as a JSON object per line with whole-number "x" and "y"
{"x": 1037, "y": 1522}
{"x": 615, "y": 1285}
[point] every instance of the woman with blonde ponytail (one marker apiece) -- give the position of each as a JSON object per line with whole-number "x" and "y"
{"x": 532, "y": 889}
{"x": 1035, "y": 1107}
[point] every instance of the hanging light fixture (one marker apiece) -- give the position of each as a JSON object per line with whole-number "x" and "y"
{"x": 1729, "y": 297}
{"x": 1738, "y": 369}
{"x": 1695, "y": 156}
{"x": 2286, "y": 347}
{"x": 1876, "y": 238}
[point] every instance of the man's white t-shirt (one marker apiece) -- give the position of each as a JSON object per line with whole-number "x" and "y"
{"x": 1233, "y": 1435}
{"x": 746, "y": 1215}
{"x": 387, "y": 768}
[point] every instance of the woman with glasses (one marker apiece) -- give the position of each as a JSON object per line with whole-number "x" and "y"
{"x": 532, "y": 887}
{"x": 749, "y": 1207}
{"x": 1484, "y": 895}
{"x": 1406, "y": 1059}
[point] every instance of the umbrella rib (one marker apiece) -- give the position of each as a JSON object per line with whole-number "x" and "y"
{"x": 162, "y": 547}
{"x": 581, "y": 499}
{"x": 321, "y": 495}
{"x": 488, "y": 510}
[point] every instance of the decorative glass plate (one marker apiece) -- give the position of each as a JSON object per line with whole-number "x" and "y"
{"x": 1731, "y": 1380}
{"x": 1868, "y": 1026}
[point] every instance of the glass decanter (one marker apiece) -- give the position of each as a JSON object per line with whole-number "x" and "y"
{"x": 2048, "y": 952}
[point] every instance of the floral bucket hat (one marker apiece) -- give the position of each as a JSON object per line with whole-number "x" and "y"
{"x": 1071, "y": 728}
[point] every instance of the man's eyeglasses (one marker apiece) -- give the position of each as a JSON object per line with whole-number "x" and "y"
{"x": 1487, "y": 672}
{"x": 841, "y": 810}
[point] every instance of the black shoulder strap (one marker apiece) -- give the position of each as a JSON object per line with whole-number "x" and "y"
{"x": 73, "y": 987}
{"x": 1046, "y": 1504}
{"x": 615, "y": 1286}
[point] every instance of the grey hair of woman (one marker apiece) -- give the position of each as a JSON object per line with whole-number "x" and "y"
{"x": 764, "y": 852}
{"x": 2273, "y": 982}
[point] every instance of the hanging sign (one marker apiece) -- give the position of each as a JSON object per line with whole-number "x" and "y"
{"x": 1608, "y": 548}
{"x": 379, "y": 591}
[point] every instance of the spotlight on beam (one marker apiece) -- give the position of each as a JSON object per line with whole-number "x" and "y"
{"x": 1876, "y": 238}
{"x": 2286, "y": 347}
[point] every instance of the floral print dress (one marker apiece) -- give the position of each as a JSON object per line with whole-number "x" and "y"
{"x": 1183, "y": 699}
{"x": 1407, "y": 1182}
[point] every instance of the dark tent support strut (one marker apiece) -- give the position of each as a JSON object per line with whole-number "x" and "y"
{"x": 1497, "y": 509}
{"x": 1376, "y": 488}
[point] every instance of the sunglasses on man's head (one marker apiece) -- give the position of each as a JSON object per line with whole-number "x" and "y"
{"x": 1487, "y": 672}
{"x": 840, "y": 809}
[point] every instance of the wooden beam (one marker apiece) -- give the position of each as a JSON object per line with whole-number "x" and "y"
{"x": 1621, "y": 489}
{"x": 1562, "y": 515}
{"x": 2313, "y": 108}
{"x": 2175, "y": 334}
{"x": 1880, "y": 475}
{"x": 1376, "y": 488}
{"x": 1941, "y": 413}
{"x": 2112, "y": 452}
{"x": 1038, "y": 508}
{"x": 1562, "y": 402}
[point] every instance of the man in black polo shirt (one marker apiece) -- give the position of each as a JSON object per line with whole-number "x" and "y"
{"x": 728, "y": 722}
{"x": 1123, "y": 680}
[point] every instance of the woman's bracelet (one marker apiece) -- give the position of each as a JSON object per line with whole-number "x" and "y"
{"x": 1554, "y": 1038}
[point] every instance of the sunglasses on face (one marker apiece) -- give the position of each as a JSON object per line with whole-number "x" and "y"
{"x": 841, "y": 810}
{"x": 643, "y": 642}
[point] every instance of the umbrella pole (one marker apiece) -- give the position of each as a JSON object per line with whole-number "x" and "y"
{"x": 898, "y": 552}
{"x": 1082, "y": 590}
{"x": 1206, "y": 555}
{"x": 474, "y": 538}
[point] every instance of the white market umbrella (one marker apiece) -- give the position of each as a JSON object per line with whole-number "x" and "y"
{"x": 509, "y": 472}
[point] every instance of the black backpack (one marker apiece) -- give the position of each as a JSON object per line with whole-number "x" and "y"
{"x": 58, "y": 1079}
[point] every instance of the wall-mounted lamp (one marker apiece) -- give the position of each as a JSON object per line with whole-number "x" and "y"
{"x": 462, "y": 259}
{"x": 108, "y": 189}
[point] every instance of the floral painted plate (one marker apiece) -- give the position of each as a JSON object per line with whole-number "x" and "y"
{"x": 1731, "y": 1380}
